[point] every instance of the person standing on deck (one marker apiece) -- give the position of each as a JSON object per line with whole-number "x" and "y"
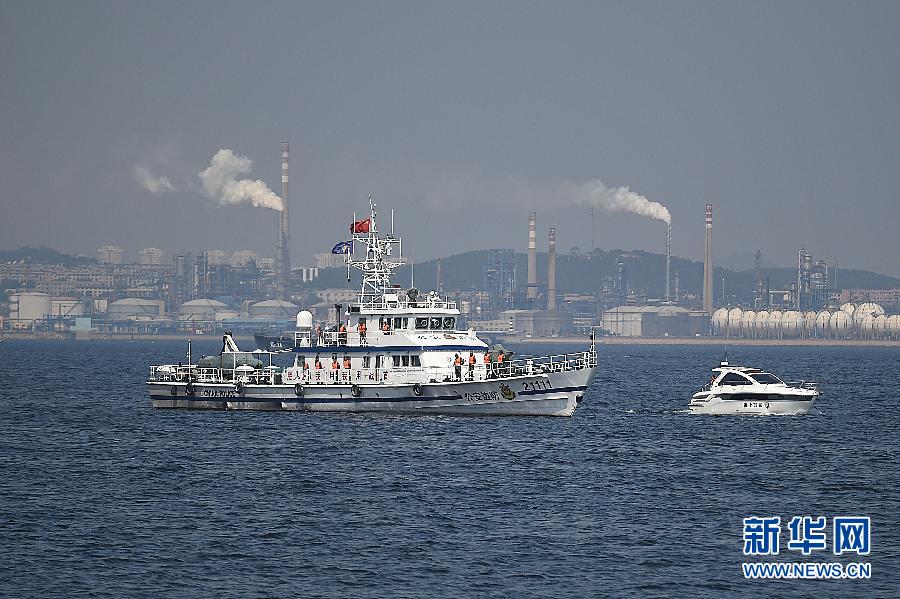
{"x": 457, "y": 367}
{"x": 471, "y": 366}
{"x": 361, "y": 328}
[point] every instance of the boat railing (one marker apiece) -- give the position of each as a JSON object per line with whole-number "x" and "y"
{"x": 380, "y": 302}
{"x": 557, "y": 363}
{"x": 193, "y": 373}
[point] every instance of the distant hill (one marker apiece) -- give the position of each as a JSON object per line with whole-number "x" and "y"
{"x": 585, "y": 273}
{"x": 43, "y": 255}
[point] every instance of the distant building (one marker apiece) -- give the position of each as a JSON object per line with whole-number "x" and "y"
{"x": 243, "y": 258}
{"x": 538, "y": 323}
{"x": 110, "y": 254}
{"x": 150, "y": 257}
{"x": 885, "y": 297}
{"x": 217, "y": 258}
{"x": 329, "y": 260}
{"x": 267, "y": 263}
{"x": 655, "y": 321}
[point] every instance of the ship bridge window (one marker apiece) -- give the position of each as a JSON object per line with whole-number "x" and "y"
{"x": 449, "y": 322}
{"x": 396, "y": 361}
{"x": 367, "y": 361}
{"x": 405, "y": 360}
{"x": 421, "y": 323}
{"x": 764, "y": 378}
{"x": 415, "y": 361}
{"x": 732, "y": 378}
{"x": 435, "y": 323}
{"x": 400, "y": 323}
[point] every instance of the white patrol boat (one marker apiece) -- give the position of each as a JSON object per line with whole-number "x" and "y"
{"x": 391, "y": 351}
{"x": 740, "y": 390}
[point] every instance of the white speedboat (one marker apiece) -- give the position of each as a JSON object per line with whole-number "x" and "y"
{"x": 740, "y": 390}
{"x": 391, "y": 351}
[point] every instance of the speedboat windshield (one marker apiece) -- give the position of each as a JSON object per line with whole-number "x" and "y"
{"x": 764, "y": 378}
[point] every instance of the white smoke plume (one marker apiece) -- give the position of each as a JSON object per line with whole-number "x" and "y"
{"x": 221, "y": 183}
{"x": 151, "y": 183}
{"x": 618, "y": 199}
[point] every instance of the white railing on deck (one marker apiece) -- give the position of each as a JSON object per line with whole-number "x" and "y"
{"x": 389, "y": 376}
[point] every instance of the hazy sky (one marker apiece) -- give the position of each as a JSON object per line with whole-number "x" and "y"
{"x": 461, "y": 116}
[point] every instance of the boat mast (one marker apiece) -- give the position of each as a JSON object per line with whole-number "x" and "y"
{"x": 377, "y": 265}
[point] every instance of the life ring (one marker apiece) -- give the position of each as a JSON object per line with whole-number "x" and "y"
{"x": 355, "y": 390}
{"x": 189, "y": 388}
{"x": 298, "y": 390}
{"x": 417, "y": 389}
{"x": 173, "y": 391}
{"x": 239, "y": 387}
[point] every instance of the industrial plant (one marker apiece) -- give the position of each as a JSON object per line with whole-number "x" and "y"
{"x": 614, "y": 293}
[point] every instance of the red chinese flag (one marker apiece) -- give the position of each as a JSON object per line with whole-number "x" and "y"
{"x": 360, "y": 226}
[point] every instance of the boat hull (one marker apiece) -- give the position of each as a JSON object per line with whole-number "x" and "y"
{"x": 548, "y": 394}
{"x": 746, "y": 404}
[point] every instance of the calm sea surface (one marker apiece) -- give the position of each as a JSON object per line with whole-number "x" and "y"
{"x": 103, "y": 496}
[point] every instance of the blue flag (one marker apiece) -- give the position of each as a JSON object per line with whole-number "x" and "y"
{"x": 342, "y": 247}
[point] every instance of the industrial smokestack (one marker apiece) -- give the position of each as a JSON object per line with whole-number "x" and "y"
{"x": 668, "y": 259}
{"x": 551, "y": 270}
{"x": 708, "y": 265}
{"x": 532, "y": 257}
{"x": 283, "y": 266}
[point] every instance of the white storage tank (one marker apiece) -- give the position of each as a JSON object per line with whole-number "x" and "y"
{"x": 880, "y": 327}
{"x": 134, "y": 308}
{"x": 748, "y": 323}
{"x": 201, "y": 310}
{"x": 866, "y": 327}
{"x": 719, "y": 321}
{"x": 840, "y": 325}
{"x": 774, "y": 324}
{"x": 893, "y": 326}
{"x": 809, "y": 329}
{"x": 734, "y": 321}
{"x": 227, "y": 315}
{"x": 792, "y": 324}
{"x": 761, "y": 325}
{"x": 28, "y": 306}
{"x": 273, "y": 310}
{"x": 822, "y": 329}
{"x": 867, "y": 309}
{"x": 848, "y": 308}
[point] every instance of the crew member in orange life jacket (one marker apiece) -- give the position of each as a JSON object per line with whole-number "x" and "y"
{"x": 457, "y": 366}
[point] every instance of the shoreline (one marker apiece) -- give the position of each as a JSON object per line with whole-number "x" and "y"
{"x": 505, "y": 339}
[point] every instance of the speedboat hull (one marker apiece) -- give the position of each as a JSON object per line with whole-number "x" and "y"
{"x": 754, "y": 404}
{"x": 546, "y": 394}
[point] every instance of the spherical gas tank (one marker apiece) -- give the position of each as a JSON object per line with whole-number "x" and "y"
{"x": 866, "y": 326}
{"x": 304, "y": 319}
{"x": 774, "y": 321}
{"x": 867, "y": 309}
{"x": 734, "y": 321}
{"x": 848, "y": 308}
{"x": 810, "y": 324}
{"x": 880, "y": 327}
{"x": 791, "y": 323}
{"x": 762, "y": 323}
{"x": 719, "y": 320}
{"x": 894, "y": 326}
{"x": 840, "y": 324}
{"x": 822, "y": 320}
{"x": 748, "y": 323}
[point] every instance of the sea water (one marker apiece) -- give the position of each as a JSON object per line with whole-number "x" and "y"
{"x": 103, "y": 496}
